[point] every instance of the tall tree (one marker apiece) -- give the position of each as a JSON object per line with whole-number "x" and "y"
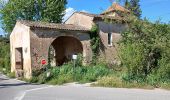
{"x": 134, "y": 6}
{"x": 35, "y": 10}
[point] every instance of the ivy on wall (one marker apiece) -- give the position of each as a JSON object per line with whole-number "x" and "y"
{"x": 95, "y": 42}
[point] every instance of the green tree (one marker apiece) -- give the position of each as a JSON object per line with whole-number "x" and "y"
{"x": 35, "y": 10}
{"x": 134, "y": 6}
{"x": 145, "y": 49}
{"x": 4, "y": 54}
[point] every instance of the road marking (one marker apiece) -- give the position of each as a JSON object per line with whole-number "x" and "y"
{"x": 22, "y": 95}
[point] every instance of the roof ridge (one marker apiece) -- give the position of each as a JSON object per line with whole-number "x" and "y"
{"x": 115, "y": 7}
{"x": 60, "y": 26}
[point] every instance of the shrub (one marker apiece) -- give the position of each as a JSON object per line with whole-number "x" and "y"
{"x": 94, "y": 72}
{"x": 4, "y": 55}
{"x": 33, "y": 80}
{"x": 145, "y": 49}
{"x": 67, "y": 73}
{"x": 109, "y": 81}
{"x": 11, "y": 75}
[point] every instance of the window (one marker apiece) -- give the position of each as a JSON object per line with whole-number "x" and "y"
{"x": 110, "y": 39}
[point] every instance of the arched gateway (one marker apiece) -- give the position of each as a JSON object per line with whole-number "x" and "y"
{"x": 32, "y": 41}
{"x": 62, "y": 49}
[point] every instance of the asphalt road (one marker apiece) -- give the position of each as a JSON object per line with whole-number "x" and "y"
{"x": 12, "y": 89}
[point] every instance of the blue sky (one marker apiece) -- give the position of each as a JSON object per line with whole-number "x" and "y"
{"x": 151, "y": 9}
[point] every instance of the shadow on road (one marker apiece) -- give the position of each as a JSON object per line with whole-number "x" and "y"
{"x": 3, "y": 79}
{"x": 15, "y": 84}
{"x": 4, "y": 85}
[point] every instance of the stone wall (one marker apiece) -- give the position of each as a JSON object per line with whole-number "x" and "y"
{"x": 31, "y": 45}
{"x": 109, "y": 52}
{"x": 20, "y": 38}
{"x": 81, "y": 20}
{"x": 41, "y": 39}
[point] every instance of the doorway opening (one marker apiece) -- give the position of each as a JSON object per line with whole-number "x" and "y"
{"x": 19, "y": 61}
{"x": 62, "y": 49}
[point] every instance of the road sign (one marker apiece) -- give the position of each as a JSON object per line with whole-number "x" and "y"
{"x": 43, "y": 62}
{"x": 74, "y": 57}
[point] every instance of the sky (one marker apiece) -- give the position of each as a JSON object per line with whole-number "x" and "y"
{"x": 151, "y": 9}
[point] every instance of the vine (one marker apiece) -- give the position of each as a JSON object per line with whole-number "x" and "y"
{"x": 95, "y": 42}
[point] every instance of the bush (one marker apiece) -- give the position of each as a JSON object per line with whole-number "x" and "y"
{"x": 93, "y": 73}
{"x": 145, "y": 50}
{"x": 67, "y": 73}
{"x": 4, "y": 55}
{"x": 11, "y": 75}
{"x": 114, "y": 81}
{"x": 33, "y": 80}
{"x": 109, "y": 81}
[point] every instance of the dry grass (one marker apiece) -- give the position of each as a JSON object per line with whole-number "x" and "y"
{"x": 116, "y": 82}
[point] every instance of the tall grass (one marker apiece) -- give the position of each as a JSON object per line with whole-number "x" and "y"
{"x": 67, "y": 73}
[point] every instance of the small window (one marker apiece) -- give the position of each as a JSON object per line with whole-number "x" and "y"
{"x": 110, "y": 39}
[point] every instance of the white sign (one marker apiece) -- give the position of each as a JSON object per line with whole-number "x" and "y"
{"x": 74, "y": 57}
{"x": 48, "y": 74}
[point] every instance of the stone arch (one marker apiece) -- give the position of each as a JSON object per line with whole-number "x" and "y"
{"x": 62, "y": 48}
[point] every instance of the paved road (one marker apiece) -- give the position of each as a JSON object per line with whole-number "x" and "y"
{"x": 11, "y": 89}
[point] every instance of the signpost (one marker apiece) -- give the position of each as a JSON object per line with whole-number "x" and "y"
{"x": 43, "y": 62}
{"x": 74, "y": 57}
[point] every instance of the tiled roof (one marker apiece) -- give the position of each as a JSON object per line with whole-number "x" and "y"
{"x": 115, "y": 7}
{"x": 88, "y": 14}
{"x": 38, "y": 24}
{"x": 97, "y": 16}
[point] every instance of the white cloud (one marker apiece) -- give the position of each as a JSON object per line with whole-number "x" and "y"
{"x": 4, "y": 1}
{"x": 69, "y": 11}
{"x": 84, "y": 11}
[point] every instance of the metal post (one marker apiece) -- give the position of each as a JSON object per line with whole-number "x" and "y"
{"x": 74, "y": 72}
{"x": 74, "y": 57}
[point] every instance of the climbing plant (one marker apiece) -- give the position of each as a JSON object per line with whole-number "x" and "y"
{"x": 95, "y": 42}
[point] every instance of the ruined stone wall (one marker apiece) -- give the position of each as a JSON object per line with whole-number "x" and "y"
{"x": 109, "y": 52}
{"x": 41, "y": 39}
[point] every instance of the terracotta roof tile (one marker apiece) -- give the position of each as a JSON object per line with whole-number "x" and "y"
{"x": 38, "y": 24}
{"x": 97, "y": 16}
{"x": 115, "y": 7}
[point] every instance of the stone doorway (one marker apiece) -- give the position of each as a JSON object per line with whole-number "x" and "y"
{"x": 19, "y": 62}
{"x": 62, "y": 49}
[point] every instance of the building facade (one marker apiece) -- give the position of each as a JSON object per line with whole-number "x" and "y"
{"x": 33, "y": 42}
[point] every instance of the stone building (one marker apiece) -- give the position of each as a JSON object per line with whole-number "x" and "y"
{"x": 33, "y": 42}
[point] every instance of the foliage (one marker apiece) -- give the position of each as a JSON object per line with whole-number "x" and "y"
{"x": 95, "y": 42}
{"x": 79, "y": 60}
{"x": 109, "y": 81}
{"x": 134, "y": 7}
{"x": 145, "y": 50}
{"x": 36, "y": 10}
{"x": 4, "y": 55}
{"x": 11, "y": 75}
{"x": 113, "y": 81}
{"x": 66, "y": 73}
